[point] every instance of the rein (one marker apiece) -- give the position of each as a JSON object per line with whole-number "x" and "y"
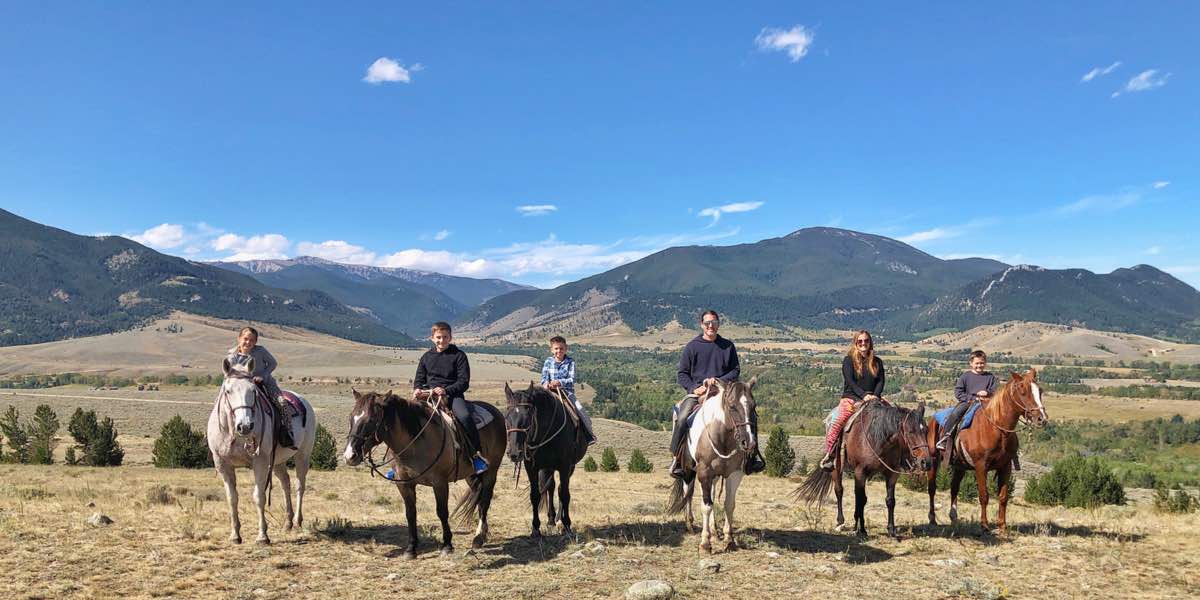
{"x": 911, "y": 454}
{"x": 1024, "y": 416}
{"x": 395, "y": 459}
{"x": 734, "y": 428}
{"x": 531, "y": 446}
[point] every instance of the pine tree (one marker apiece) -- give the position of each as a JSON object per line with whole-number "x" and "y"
{"x": 779, "y": 455}
{"x": 324, "y": 452}
{"x": 638, "y": 463}
{"x": 15, "y": 435}
{"x": 41, "y": 435}
{"x": 608, "y": 461}
{"x": 179, "y": 446}
{"x": 589, "y": 464}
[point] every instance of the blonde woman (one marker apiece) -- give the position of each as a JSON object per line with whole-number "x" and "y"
{"x": 863, "y": 378}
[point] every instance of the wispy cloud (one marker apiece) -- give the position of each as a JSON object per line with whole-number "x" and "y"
{"x": 161, "y": 237}
{"x": 1099, "y": 72}
{"x": 441, "y": 235}
{"x": 944, "y": 233}
{"x": 715, "y": 212}
{"x": 1146, "y": 80}
{"x": 337, "y": 251}
{"x": 389, "y": 70}
{"x": 1111, "y": 202}
{"x": 1154, "y": 250}
{"x": 536, "y": 210}
{"x": 794, "y": 42}
{"x": 257, "y": 247}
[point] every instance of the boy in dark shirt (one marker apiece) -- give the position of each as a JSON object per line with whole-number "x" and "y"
{"x": 445, "y": 374}
{"x": 976, "y": 383}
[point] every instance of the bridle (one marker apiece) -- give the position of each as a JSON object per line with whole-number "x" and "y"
{"x": 369, "y": 455}
{"x": 530, "y": 446}
{"x": 1026, "y": 411}
{"x": 260, "y": 397}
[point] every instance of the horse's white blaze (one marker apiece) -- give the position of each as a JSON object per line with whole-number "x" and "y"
{"x": 349, "y": 453}
{"x": 749, "y": 430}
{"x": 1037, "y": 399}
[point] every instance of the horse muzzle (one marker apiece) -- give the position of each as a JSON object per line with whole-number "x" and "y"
{"x": 244, "y": 428}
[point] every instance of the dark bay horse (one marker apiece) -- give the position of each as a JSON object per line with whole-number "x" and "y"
{"x": 990, "y": 444}
{"x": 543, "y": 436}
{"x": 719, "y": 440}
{"x": 885, "y": 439}
{"x": 422, "y": 444}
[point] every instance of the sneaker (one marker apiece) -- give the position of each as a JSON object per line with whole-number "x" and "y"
{"x": 481, "y": 465}
{"x": 390, "y": 475}
{"x": 941, "y": 445}
{"x": 676, "y": 469}
{"x": 827, "y": 462}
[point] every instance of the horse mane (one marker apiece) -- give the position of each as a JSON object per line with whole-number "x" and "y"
{"x": 883, "y": 422}
{"x": 410, "y": 413}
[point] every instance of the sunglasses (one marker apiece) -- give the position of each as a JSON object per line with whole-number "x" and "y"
{"x": 863, "y": 342}
{"x": 708, "y": 323}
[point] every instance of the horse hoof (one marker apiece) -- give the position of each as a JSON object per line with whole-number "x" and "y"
{"x": 264, "y": 540}
{"x": 706, "y": 547}
{"x": 537, "y": 534}
{"x": 409, "y": 555}
{"x": 447, "y": 550}
{"x": 237, "y": 539}
{"x": 861, "y": 533}
{"x": 477, "y": 541}
{"x": 839, "y": 527}
{"x": 287, "y": 526}
{"x": 954, "y": 516}
{"x": 731, "y": 546}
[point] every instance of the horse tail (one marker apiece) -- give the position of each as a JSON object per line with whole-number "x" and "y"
{"x": 544, "y": 494}
{"x": 468, "y": 503}
{"x": 678, "y": 500}
{"x": 815, "y": 487}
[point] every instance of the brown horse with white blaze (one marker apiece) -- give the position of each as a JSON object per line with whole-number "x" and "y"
{"x": 990, "y": 444}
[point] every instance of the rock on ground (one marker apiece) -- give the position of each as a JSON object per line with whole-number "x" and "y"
{"x": 650, "y": 589}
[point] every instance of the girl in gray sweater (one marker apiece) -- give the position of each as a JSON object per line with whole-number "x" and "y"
{"x": 264, "y": 366}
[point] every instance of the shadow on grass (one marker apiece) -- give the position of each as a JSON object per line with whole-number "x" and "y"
{"x": 524, "y": 549}
{"x": 816, "y": 541}
{"x": 971, "y": 530}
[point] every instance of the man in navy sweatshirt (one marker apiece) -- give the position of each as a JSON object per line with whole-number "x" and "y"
{"x": 705, "y": 359}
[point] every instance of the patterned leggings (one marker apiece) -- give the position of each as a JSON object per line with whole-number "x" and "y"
{"x": 846, "y": 408}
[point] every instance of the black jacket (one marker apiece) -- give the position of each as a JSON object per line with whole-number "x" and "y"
{"x": 449, "y": 370}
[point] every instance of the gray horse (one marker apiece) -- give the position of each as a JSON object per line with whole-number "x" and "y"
{"x": 241, "y": 434}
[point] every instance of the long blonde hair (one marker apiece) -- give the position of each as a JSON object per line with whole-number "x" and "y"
{"x": 856, "y": 356}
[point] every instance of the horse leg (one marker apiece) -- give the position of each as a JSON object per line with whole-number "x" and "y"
{"x": 956, "y": 477}
{"x": 285, "y": 485}
{"x": 229, "y": 477}
{"x": 932, "y": 484}
{"x": 488, "y": 487}
{"x": 262, "y": 478}
{"x": 860, "y": 502}
{"x": 838, "y": 491}
{"x": 689, "y": 488}
{"x": 302, "y": 464}
{"x": 441, "y": 494}
{"x": 546, "y": 482}
{"x": 1002, "y": 476}
{"x": 564, "y": 497}
{"x": 706, "y": 492}
{"x": 731, "y": 486}
{"x": 891, "y": 504}
{"x": 981, "y": 482}
{"x": 408, "y": 491}
{"x": 535, "y": 498}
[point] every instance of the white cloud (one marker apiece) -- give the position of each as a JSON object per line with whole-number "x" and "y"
{"x": 937, "y": 233}
{"x": 1154, "y": 250}
{"x": 441, "y": 261}
{"x": 337, "y": 251}
{"x": 441, "y": 235}
{"x": 389, "y": 70}
{"x": 536, "y": 210}
{"x": 794, "y": 41}
{"x": 716, "y": 211}
{"x": 1099, "y": 72}
{"x": 1111, "y": 202}
{"x": 1144, "y": 81}
{"x": 258, "y": 247}
{"x": 1158, "y": 185}
{"x": 161, "y": 237}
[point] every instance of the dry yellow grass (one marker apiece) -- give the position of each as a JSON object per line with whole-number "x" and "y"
{"x": 351, "y": 545}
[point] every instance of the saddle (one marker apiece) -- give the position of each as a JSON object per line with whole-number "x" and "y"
{"x": 480, "y": 417}
{"x": 297, "y": 406}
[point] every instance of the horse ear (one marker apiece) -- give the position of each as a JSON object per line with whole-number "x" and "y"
{"x": 226, "y": 367}
{"x": 250, "y": 366}
{"x": 921, "y": 411}
{"x": 1032, "y": 374}
{"x": 508, "y": 393}
{"x": 753, "y": 380}
{"x": 357, "y": 396}
{"x": 389, "y": 394}
{"x": 530, "y": 385}
{"x": 1015, "y": 375}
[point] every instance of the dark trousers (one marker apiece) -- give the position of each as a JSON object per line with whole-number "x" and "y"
{"x": 462, "y": 412}
{"x": 685, "y": 410}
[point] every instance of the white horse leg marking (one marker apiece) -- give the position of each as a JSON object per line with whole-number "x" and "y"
{"x": 731, "y": 486}
{"x": 706, "y": 510}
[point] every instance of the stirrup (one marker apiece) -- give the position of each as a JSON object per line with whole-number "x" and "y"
{"x": 480, "y": 464}
{"x": 828, "y": 462}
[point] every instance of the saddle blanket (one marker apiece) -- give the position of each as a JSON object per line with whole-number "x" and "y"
{"x": 480, "y": 416}
{"x": 944, "y": 414}
{"x": 833, "y": 415}
{"x": 297, "y": 406}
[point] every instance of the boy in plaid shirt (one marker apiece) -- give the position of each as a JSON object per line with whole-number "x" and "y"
{"x": 558, "y": 373}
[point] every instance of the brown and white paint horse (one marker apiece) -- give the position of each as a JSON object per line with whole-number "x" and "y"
{"x": 241, "y": 433}
{"x": 718, "y": 443}
{"x": 990, "y": 444}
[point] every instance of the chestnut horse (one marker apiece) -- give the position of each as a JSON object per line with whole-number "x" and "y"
{"x": 886, "y": 439}
{"x": 989, "y": 444}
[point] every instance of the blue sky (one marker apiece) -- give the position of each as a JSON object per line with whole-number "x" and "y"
{"x": 545, "y": 142}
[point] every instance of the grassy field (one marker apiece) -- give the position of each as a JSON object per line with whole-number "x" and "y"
{"x": 351, "y": 544}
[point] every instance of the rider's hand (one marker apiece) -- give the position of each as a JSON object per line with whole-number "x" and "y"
{"x": 439, "y": 391}
{"x": 258, "y": 379}
{"x": 700, "y": 391}
{"x": 553, "y": 385}
{"x": 420, "y": 394}
{"x": 711, "y": 381}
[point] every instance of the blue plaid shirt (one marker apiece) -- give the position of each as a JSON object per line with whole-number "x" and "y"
{"x": 562, "y": 372}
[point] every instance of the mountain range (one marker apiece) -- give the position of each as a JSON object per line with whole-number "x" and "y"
{"x": 827, "y": 277}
